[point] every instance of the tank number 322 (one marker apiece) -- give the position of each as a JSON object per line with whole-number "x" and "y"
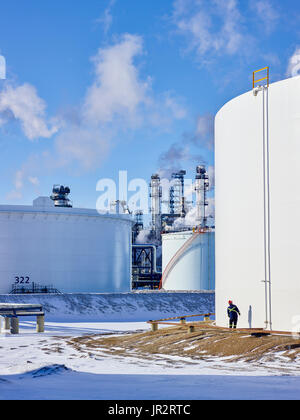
{"x": 22, "y": 280}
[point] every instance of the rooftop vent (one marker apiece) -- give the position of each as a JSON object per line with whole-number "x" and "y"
{"x": 60, "y": 196}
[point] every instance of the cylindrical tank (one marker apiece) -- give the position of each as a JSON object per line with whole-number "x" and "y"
{"x": 250, "y": 210}
{"x": 73, "y": 250}
{"x": 188, "y": 261}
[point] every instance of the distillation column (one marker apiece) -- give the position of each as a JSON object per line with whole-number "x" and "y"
{"x": 156, "y": 194}
{"x": 201, "y": 188}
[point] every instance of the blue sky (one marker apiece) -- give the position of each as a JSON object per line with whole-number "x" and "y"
{"x": 94, "y": 87}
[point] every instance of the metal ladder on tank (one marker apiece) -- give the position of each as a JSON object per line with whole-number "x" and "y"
{"x": 266, "y": 188}
{"x": 171, "y": 264}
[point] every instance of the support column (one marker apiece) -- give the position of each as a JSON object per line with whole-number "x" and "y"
{"x": 154, "y": 326}
{"x": 7, "y": 323}
{"x": 14, "y": 329}
{"x": 40, "y": 323}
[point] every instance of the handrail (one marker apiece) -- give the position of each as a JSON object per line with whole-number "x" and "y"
{"x": 264, "y": 78}
{"x": 182, "y": 316}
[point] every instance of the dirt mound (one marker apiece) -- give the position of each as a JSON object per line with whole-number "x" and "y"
{"x": 206, "y": 342}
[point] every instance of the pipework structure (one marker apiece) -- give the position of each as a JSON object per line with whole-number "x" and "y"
{"x": 156, "y": 195}
{"x": 144, "y": 266}
{"x": 171, "y": 231}
{"x": 177, "y": 205}
{"x": 201, "y": 188}
{"x": 138, "y": 225}
{"x": 177, "y": 199}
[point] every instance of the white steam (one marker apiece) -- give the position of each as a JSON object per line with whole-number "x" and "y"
{"x": 294, "y": 64}
{"x": 23, "y": 103}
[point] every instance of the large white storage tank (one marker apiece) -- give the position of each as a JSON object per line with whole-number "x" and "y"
{"x": 74, "y": 250}
{"x": 188, "y": 261}
{"x": 239, "y": 194}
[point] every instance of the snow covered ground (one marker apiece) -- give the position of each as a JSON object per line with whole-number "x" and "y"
{"x": 139, "y": 306}
{"x": 46, "y": 366}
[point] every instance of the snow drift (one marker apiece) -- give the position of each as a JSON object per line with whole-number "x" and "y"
{"x": 139, "y": 306}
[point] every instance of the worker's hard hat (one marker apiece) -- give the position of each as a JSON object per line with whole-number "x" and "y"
{"x": 230, "y": 302}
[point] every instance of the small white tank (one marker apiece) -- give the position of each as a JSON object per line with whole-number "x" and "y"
{"x": 188, "y": 261}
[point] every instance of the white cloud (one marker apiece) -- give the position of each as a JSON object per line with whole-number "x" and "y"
{"x": 196, "y": 19}
{"x": 23, "y": 104}
{"x": 107, "y": 19}
{"x": 19, "y": 181}
{"x": 83, "y": 141}
{"x": 266, "y": 13}
{"x": 113, "y": 103}
{"x": 2, "y": 68}
{"x": 117, "y": 90}
{"x": 178, "y": 111}
{"x": 86, "y": 146}
{"x": 14, "y": 195}
{"x": 34, "y": 180}
{"x": 118, "y": 101}
{"x": 205, "y": 131}
{"x": 164, "y": 109}
{"x": 294, "y": 64}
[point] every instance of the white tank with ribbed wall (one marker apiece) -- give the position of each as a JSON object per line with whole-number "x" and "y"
{"x": 73, "y": 250}
{"x": 243, "y": 250}
{"x": 188, "y": 261}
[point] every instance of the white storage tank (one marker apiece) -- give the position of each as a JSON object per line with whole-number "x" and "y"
{"x": 188, "y": 261}
{"x": 243, "y": 212}
{"x": 72, "y": 250}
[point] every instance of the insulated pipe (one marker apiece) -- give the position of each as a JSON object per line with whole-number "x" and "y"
{"x": 265, "y": 213}
{"x": 269, "y": 206}
{"x": 267, "y": 209}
